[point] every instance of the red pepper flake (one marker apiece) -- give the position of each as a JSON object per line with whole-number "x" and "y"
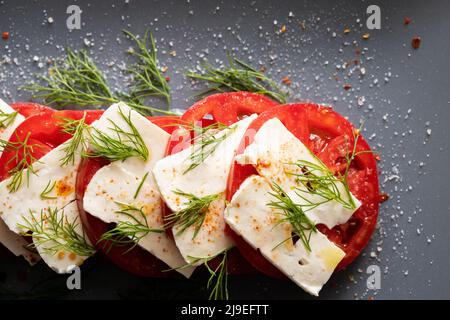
{"x": 286, "y": 80}
{"x": 357, "y": 51}
{"x": 370, "y": 298}
{"x": 5, "y": 35}
{"x": 347, "y": 86}
{"x": 377, "y": 157}
{"x": 167, "y": 78}
{"x": 415, "y": 43}
{"x": 406, "y": 21}
{"x": 384, "y": 197}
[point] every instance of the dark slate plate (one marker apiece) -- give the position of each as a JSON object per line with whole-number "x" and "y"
{"x": 406, "y": 106}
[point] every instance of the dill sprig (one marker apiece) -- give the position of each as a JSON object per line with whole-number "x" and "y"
{"x": 294, "y": 214}
{"x": 53, "y": 232}
{"x": 206, "y": 142}
{"x": 218, "y": 280}
{"x": 23, "y": 158}
{"x": 147, "y": 75}
{"x": 45, "y": 194}
{"x": 128, "y": 232}
{"x": 193, "y": 214}
{"x": 238, "y": 76}
{"x": 138, "y": 189}
{"x": 76, "y": 80}
{"x": 6, "y": 119}
{"x": 78, "y": 143}
{"x": 119, "y": 145}
{"x": 319, "y": 180}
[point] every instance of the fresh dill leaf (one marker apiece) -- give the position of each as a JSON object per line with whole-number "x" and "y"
{"x": 45, "y": 194}
{"x": 23, "y": 159}
{"x": 319, "y": 180}
{"x": 78, "y": 144}
{"x": 193, "y": 214}
{"x": 119, "y": 145}
{"x": 6, "y": 119}
{"x": 76, "y": 80}
{"x": 53, "y": 232}
{"x": 205, "y": 144}
{"x": 140, "y": 185}
{"x": 147, "y": 75}
{"x": 218, "y": 280}
{"x": 294, "y": 214}
{"x": 128, "y": 232}
{"x": 238, "y": 76}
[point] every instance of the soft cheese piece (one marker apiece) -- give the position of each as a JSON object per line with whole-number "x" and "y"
{"x": 9, "y": 120}
{"x": 249, "y": 215}
{"x": 209, "y": 177}
{"x": 20, "y": 208}
{"x": 117, "y": 184}
{"x": 273, "y": 151}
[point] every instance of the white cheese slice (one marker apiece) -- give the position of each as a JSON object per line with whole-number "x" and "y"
{"x": 16, "y": 244}
{"x": 120, "y": 180}
{"x": 249, "y": 216}
{"x": 273, "y": 151}
{"x": 22, "y": 206}
{"x": 12, "y": 241}
{"x": 209, "y": 177}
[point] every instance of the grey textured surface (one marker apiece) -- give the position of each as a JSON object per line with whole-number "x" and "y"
{"x": 406, "y": 92}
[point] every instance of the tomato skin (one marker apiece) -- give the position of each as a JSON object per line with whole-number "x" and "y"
{"x": 30, "y": 108}
{"x": 328, "y": 135}
{"x": 226, "y": 108}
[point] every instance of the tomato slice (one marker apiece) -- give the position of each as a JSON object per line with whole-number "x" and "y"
{"x": 328, "y": 135}
{"x": 137, "y": 261}
{"x": 43, "y": 131}
{"x": 228, "y": 107}
{"x": 225, "y": 108}
{"x": 30, "y": 108}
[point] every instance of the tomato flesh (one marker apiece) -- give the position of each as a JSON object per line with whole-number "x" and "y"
{"x": 327, "y": 134}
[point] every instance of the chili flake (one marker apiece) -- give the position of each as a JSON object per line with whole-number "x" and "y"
{"x": 5, "y": 35}
{"x": 415, "y": 43}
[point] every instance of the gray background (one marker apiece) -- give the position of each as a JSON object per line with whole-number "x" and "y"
{"x": 406, "y": 92}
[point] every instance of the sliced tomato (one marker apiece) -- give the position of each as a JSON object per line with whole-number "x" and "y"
{"x": 225, "y": 108}
{"x": 229, "y": 107}
{"x": 137, "y": 260}
{"x": 331, "y": 137}
{"x": 44, "y": 132}
{"x": 30, "y": 108}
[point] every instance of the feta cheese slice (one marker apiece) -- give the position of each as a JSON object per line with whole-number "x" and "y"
{"x": 273, "y": 153}
{"x": 249, "y": 215}
{"x": 131, "y": 182}
{"x": 208, "y": 177}
{"x": 25, "y": 208}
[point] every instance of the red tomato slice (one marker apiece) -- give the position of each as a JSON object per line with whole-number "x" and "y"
{"x": 327, "y": 134}
{"x": 43, "y": 131}
{"x": 225, "y": 108}
{"x": 137, "y": 261}
{"x": 29, "y": 108}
